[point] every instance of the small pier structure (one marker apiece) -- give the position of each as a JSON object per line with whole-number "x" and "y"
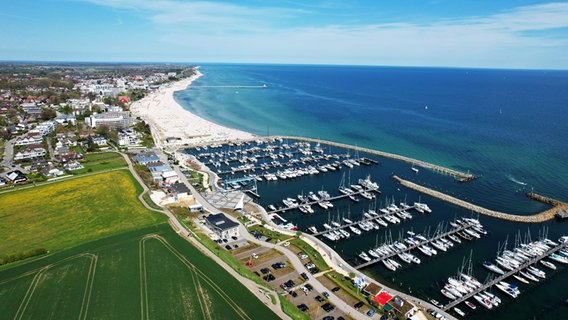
{"x": 491, "y": 283}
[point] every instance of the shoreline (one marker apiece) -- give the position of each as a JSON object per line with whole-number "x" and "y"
{"x": 173, "y": 126}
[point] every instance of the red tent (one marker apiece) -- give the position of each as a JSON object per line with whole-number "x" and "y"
{"x": 382, "y": 298}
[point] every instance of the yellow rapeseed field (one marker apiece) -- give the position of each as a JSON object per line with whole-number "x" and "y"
{"x": 67, "y": 213}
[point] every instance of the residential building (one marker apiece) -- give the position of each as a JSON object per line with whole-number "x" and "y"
{"x": 32, "y": 137}
{"x": 33, "y": 151}
{"x": 114, "y": 120}
{"x": 16, "y": 176}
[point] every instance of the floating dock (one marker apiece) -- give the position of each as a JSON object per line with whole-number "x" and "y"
{"x": 540, "y": 217}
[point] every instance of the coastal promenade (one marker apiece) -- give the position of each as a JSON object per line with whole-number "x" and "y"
{"x": 540, "y": 217}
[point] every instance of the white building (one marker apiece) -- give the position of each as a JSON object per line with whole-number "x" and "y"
{"x": 222, "y": 226}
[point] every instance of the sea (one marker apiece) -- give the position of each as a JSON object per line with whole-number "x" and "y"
{"x": 508, "y": 127}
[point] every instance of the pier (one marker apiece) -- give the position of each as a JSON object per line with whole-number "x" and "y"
{"x": 540, "y": 217}
{"x": 491, "y": 283}
{"x": 347, "y": 225}
{"x": 341, "y": 196}
{"x": 411, "y": 247}
{"x": 460, "y": 176}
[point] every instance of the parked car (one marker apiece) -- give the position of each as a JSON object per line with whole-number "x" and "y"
{"x": 328, "y": 307}
{"x": 358, "y": 305}
{"x": 335, "y": 289}
{"x": 304, "y": 275}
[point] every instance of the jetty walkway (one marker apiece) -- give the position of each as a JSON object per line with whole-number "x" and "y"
{"x": 460, "y": 176}
{"x": 414, "y": 246}
{"x": 507, "y": 274}
{"x": 355, "y": 223}
{"x": 536, "y": 218}
{"x": 341, "y": 196}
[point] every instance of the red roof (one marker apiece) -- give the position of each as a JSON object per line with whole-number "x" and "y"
{"x": 382, "y": 298}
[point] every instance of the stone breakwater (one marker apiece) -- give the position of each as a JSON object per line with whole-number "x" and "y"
{"x": 536, "y": 218}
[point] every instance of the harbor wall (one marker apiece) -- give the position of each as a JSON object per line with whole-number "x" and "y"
{"x": 536, "y": 218}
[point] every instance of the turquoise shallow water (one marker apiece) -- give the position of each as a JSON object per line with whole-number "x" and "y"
{"x": 506, "y": 126}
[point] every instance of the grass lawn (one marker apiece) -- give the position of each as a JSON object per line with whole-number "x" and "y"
{"x": 67, "y": 213}
{"x": 101, "y": 161}
{"x": 149, "y": 273}
{"x": 311, "y": 252}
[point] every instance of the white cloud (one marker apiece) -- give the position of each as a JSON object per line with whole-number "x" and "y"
{"x": 518, "y": 37}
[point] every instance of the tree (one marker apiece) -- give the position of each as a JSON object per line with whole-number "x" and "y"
{"x": 48, "y": 113}
{"x": 103, "y": 130}
{"x": 66, "y": 109}
{"x": 298, "y": 233}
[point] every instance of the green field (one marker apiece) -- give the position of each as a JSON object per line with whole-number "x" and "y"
{"x": 64, "y": 214}
{"x": 150, "y": 273}
{"x": 96, "y": 162}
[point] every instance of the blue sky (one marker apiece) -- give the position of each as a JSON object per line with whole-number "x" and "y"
{"x": 453, "y": 33}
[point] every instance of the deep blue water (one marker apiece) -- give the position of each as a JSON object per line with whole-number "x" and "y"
{"x": 506, "y": 126}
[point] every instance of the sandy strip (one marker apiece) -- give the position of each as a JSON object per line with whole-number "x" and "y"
{"x": 167, "y": 118}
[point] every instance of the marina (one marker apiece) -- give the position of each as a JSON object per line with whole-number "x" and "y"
{"x": 421, "y": 243}
{"x": 274, "y": 173}
{"x": 498, "y": 281}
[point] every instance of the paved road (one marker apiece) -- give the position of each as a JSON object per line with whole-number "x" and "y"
{"x": 253, "y": 287}
{"x": 8, "y": 153}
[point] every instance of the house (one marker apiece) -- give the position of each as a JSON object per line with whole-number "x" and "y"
{"x": 32, "y": 137}
{"x": 128, "y": 137}
{"x": 16, "y": 176}
{"x": 33, "y": 151}
{"x": 72, "y": 165}
{"x": 124, "y": 99}
{"x": 99, "y": 140}
{"x": 46, "y": 127}
{"x": 222, "y": 226}
{"x": 65, "y": 119}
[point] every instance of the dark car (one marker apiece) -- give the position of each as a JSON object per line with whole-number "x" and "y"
{"x": 234, "y": 238}
{"x": 314, "y": 270}
{"x": 269, "y": 277}
{"x": 290, "y": 283}
{"x": 319, "y": 299}
{"x": 328, "y": 318}
{"x": 325, "y": 294}
{"x": 304, "y": 275}
{"x": 256, "y": 272}
{"x": 371, "y": 312}
{"x": 358, "y": 305}
{"x": 335, "y": 289}
{"x": 328, "y": 307}
{"x": 309, "y": 287}
{"x": 265, "y": 270}
{"x": 228, "y": 247}
{"x": 303, "y": 307}
{"x": 340, "y": 318}
{"x": 293, "y": 293}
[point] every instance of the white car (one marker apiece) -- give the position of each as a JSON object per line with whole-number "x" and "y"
{"x": 254, "y": 255}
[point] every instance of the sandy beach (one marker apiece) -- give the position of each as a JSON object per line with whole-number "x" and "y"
{"x": 168, "y": 119}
